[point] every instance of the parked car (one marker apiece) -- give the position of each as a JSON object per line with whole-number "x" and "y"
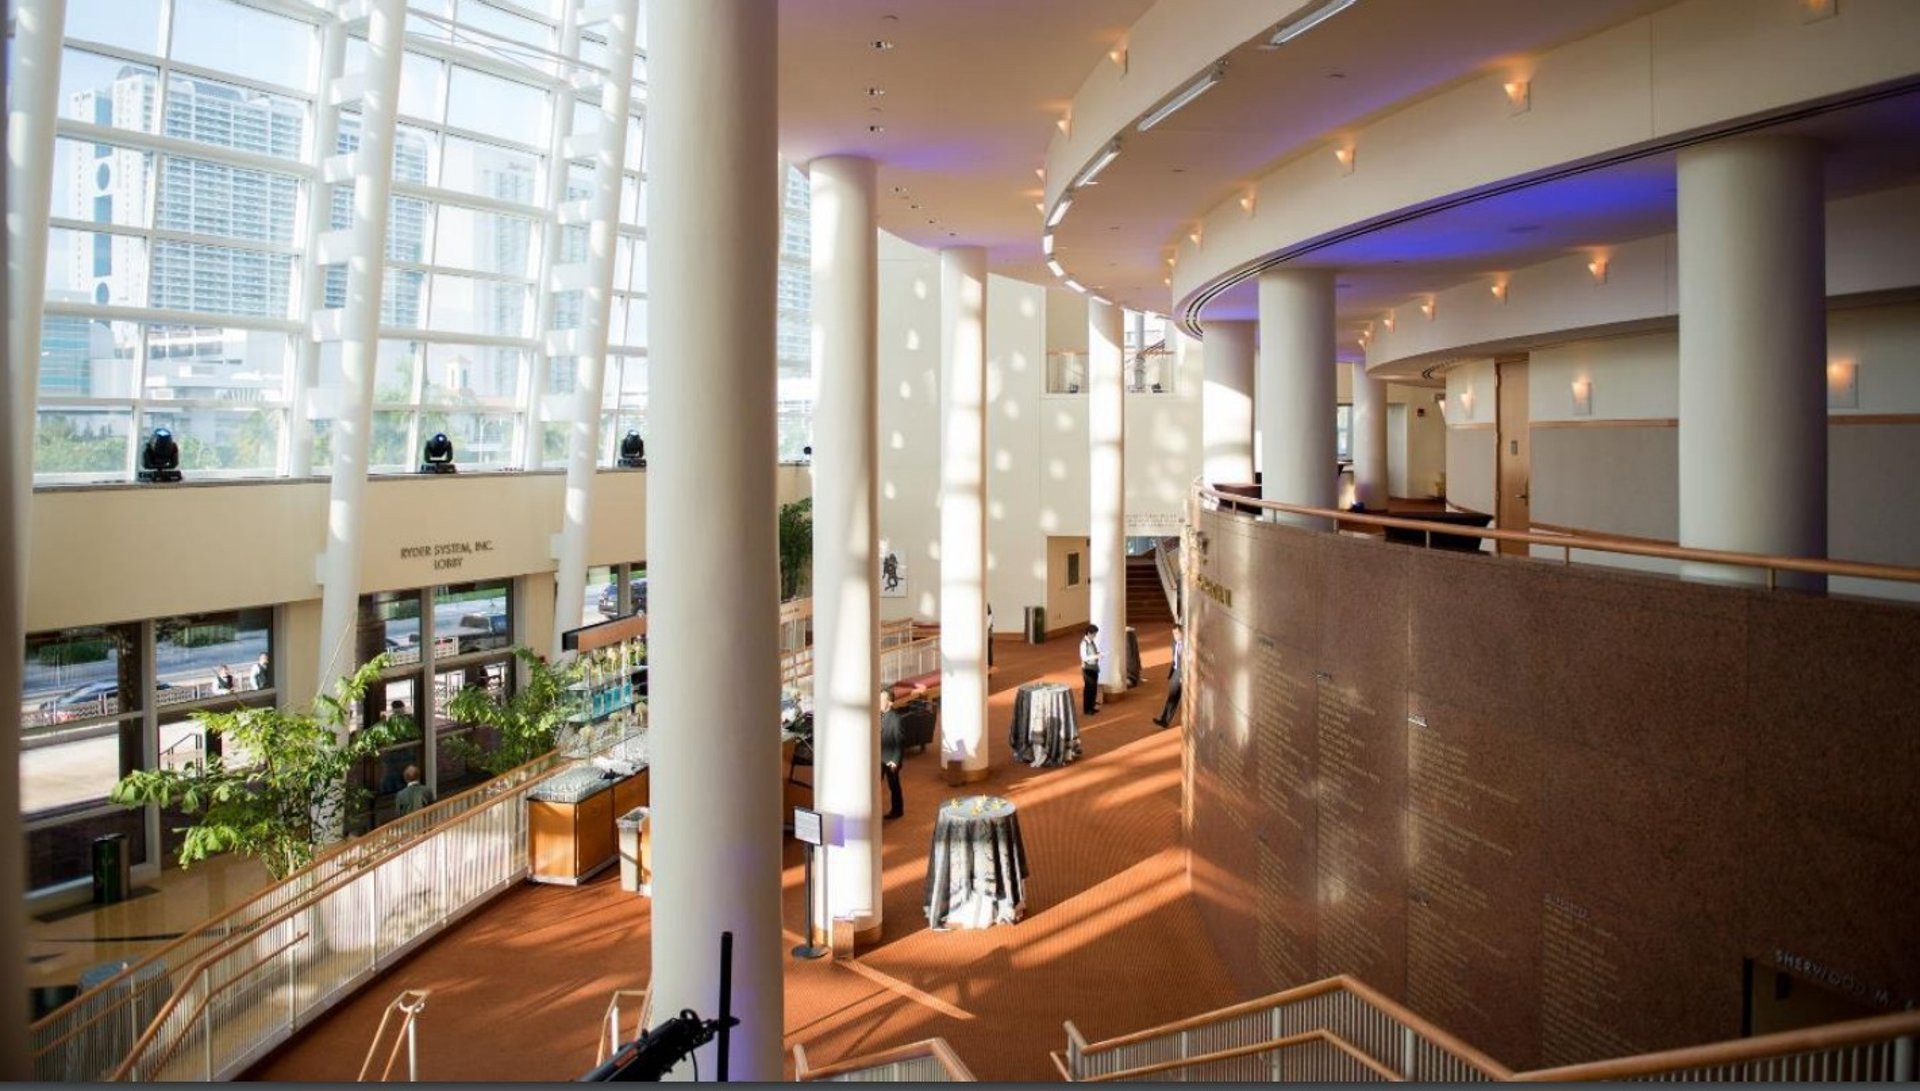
{"x": 609, "y": 604}
{"x": 93, "y": 699}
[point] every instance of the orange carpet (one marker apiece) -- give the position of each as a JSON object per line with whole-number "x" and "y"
{"x": 1110, "y": 941}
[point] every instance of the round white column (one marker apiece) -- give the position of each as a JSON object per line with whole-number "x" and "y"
{"x": 846, "y": 602}
{"x": 1369, "y": 440}
{"x": 712, "y": 591}
{"x": 1296, "y": 396}
{"x": 1226, "y": 403}
{"x": 1106, "y": 475}
{"x": 1753, "y": 341}
{"x": 963, "y": 511}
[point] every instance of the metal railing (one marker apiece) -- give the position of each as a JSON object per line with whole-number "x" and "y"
{"x": 87, "y": 1037}
{"x": 640, "y": 1001}
{"x": 1166, "y": 560}
{"x": 1567, "y": 544}
{"x": 1879, "y": 1049}
{"x": 1238, "y": 1038}
{"x": 409, "y": 1005}
{"x": 343, "y": 931}
{"x": 930, "y": 1060}
{"x": 910, "y": 660}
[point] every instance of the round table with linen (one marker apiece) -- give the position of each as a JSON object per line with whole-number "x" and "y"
{"x": 977, "y": 866}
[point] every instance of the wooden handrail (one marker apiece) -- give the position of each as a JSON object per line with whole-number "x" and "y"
{"x": 937, "y": 1048}
{"x": 1412, "y": 1021}
{"x": 1824, "y": 567}
{"x": 1237, "y": 1052}
{"x": 326, "y": 856}
{"x": 410, "y": 1001}
{"x": 120, "y": 1073}
{"x": 1806, "y": 1040}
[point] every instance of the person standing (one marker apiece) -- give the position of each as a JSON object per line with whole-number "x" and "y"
{"x": 1165, "y": 719}
{"x": 892, "y": 731}
{"x": 414, "y": 796}
{"x": 223, "y": 680}
{"x": 1090, "y": 670}
{"x": 258, "y": 676}
{"x": 989, "y": 636}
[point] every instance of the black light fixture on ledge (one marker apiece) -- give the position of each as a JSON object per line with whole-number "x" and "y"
{"x": 438, "y": 456}
{"x": 633, "y": 452}
{"x": 159, "y": 458}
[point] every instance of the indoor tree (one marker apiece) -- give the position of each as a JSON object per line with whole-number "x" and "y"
{"x": 525, "y": 724}
{"x": 287, "y": 801}
{"x": 796, "y": 547}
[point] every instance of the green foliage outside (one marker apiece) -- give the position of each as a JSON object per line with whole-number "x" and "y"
{"x": 796, "y": 548}
{"x": 73, "y": 651}
{"x": 525, "y": 725}
{"x": 283, "y": 809}
{"x": 61, "y": 445}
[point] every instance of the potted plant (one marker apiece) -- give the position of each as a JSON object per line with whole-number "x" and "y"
{"x": 525, "y": 725}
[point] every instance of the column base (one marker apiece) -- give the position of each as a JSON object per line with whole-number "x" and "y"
{"x": 956, "y": 775}
{"x": 851, "y": 934}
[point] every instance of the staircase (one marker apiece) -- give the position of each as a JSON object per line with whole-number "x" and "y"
{"x": 1146, "y": 599}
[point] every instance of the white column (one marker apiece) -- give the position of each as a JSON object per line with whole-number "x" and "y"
{"x": 1226, "y": 403}
{"x": 33, "y": 90}
{"x": 1753, "y": 341}
{"x": 317, "y": 220}
{"x": 963, "y": 509}
{"x": 360, "y": 343}
{"x": 846, "y": 598}
{"x": 1295, "y": 395}
{"x": 583, "y": 447}
{"x": 1106, "y": 475}
{"x": 713, "y": 595}
{"x": 1369, "y": 439}
{"x": 533, "y": 437}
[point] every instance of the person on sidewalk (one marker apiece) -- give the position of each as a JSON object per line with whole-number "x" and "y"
{"x": 892, "y": 730}
{"x": 1165, "y": 719}
{"x": 1090, "y": 670}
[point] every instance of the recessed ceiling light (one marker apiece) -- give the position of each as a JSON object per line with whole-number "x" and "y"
{"x": 901, "y": 190}
{"x": 916, "y": 208}
{"x": 876, "y": 128}
{"x": 876, "y": 92}
{"x": 881, "y": 43}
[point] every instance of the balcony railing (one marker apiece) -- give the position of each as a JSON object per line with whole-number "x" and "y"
{"x": 929, "y": 1061}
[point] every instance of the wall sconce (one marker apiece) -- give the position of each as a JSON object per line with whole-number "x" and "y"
{"x": 1118, "y": 55}
{"x": 1843, "y": 385}
{"x": 1388, "y": 321}
{"x": 1812, "y": 11}
{"x": 1598, "y": 269}
{"x": 1248, "y": 199}
{"x": 1194, "y": 235}
{"x": 1466, "y": 404}
{"x": 1519, "y": 95}
{"x": 1583, "y": 397}
{"x": 1344, "y": 156}
{"x": 1499, "y": 290}
{"x": 1065, "y": 124}
{"x": 1426, "y": 309}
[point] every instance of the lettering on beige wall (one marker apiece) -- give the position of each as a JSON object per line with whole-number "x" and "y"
{"x": 1214, "y": 591}
{"x": 445, "y": 555}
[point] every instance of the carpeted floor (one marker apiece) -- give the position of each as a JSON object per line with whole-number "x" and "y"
{"x": 1110, "y": 941}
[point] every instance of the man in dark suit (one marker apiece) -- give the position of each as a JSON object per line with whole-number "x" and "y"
{"x": 1165, "y": 719}
{"x": 891, "y": 731}
{"x": 1090, "y": 671}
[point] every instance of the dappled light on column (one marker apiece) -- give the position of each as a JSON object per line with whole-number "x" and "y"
{"x": 1226, "y": 402}
{"x": 963, "y": 526}
{"x": 1295, "y": 398}
{"x": 1106, "y": 473}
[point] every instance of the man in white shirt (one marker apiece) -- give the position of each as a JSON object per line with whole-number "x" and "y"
{"x": 1090, "y": 670}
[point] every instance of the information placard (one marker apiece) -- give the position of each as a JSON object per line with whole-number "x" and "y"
{"x": 807, "y": 826}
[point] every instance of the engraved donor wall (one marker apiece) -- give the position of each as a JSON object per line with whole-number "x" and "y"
{"x": 1564, "y": 813}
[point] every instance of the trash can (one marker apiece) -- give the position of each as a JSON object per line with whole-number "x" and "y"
{"x": 1036, "y": 625}
{"x": 636, "y": 851}
{"x": 112, "y": 869}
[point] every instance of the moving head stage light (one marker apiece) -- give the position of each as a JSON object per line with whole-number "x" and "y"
{"x": 438, "y": 456}
{"x": 633, "y": 452}
{"x": 159, "y": 458}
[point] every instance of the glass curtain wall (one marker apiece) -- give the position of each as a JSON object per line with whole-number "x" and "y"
{"x": 190, "y": 176}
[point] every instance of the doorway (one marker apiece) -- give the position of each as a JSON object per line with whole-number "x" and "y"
{"x": 1515, "y": 506}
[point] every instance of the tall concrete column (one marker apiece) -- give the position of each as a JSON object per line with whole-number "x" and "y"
{"x": 1753, "y": 343}
{"x": 1369, "y": 439}
{"x": 846, "y": 499}
{"x": 360, "y": 343}
{"x": 317, "y": 220}
{"x": 713, "y": 570}
{"x": 33, "y": 83}
{"x": 583, "y": 441}
{"x": 1226, "y": 403}
{"x": 1106, "y": 475}
{"x": 963, "y": 510}
{"x": 1295, "y": 396}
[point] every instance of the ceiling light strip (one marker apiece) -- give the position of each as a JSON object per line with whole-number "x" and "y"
{"x": 1184, "y": 96}
{"x": 1300, "y": 25}
{"x": 1060, "y": 210}
{"x": 1101, "y": 162}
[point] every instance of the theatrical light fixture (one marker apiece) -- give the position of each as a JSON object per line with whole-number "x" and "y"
{"x": 1060, "y": 210}
{"x": 159, "y": 458}
{"x": 633, "y": 452}
{"x": 437, "y": 457}
{"x": 1183, "y": 96}
{"x": 1307, "y": 20}
{"x": 1101, "y": 162}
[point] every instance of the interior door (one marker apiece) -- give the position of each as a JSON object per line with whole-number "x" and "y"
{"x": 1515, "y": 507}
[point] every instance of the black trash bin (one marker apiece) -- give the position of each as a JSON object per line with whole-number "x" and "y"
{"x": 112, "y": 869}
{"x": 1036, "y": 625}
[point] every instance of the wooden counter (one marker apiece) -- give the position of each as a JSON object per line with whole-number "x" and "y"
{"x": 571, "y": 842}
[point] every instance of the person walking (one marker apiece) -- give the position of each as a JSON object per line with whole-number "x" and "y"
{"x": 1165, "y": 719}
{"x": 1090, "y": 670}
{"x": 223, "y": 680}
{"x": 892, "y": 730}
{"x": 414, "y": 796}
{"x": 989, "y": 636}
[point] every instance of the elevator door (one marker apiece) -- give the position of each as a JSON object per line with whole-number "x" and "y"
{"x": 1515, "y": 510}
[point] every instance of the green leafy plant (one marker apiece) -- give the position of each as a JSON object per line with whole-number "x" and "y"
{"x": 796, "y": 547}
{"x": 522, "y": 727}
{"x": 291, "y": 800}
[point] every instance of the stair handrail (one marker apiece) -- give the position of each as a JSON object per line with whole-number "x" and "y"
{"x": 1291, "y": 1041}
{"x": 1772, "y": 564}
{"x": 610, "y": 1022}
{"x": 935, "y": 1049}
{"x": 408, "y": 1003}
{"x": 1895, "y": 1028}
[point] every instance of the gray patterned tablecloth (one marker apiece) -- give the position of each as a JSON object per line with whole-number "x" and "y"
{"x": 977, "y": 869}
{"x": 1046, "y": 729}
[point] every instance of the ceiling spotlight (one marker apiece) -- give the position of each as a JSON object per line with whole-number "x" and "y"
{"x": 159, "y": 458}
{"x": 437, "y": 457}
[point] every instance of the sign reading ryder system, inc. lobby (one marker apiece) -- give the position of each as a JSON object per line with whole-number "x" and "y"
{"x": 447, "y": 554}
